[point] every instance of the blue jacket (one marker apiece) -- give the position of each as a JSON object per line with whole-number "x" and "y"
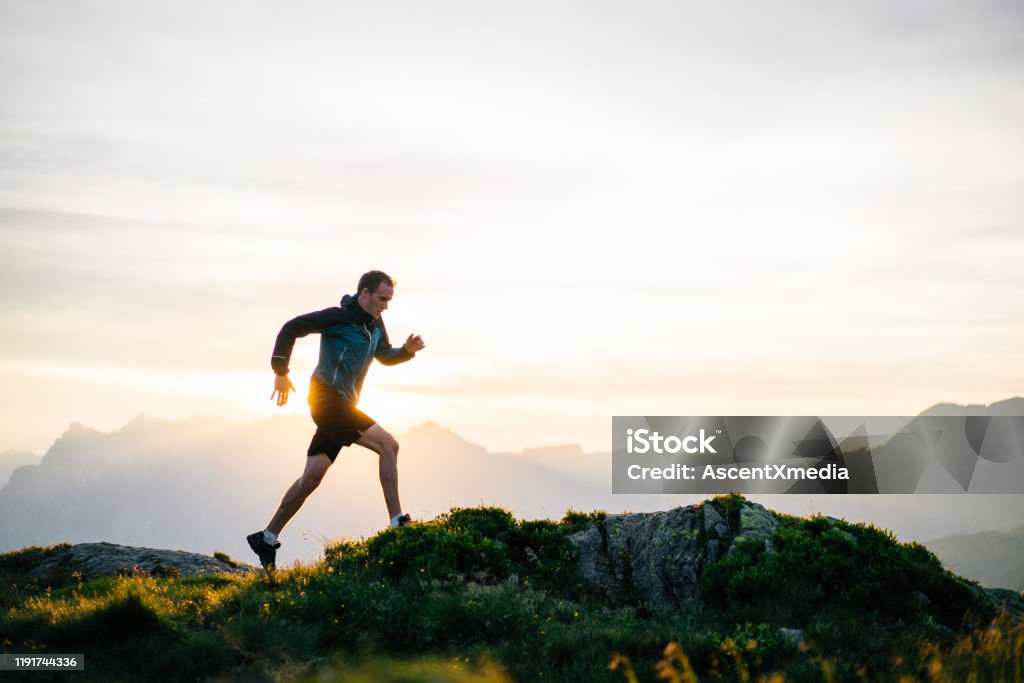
{"x": 349, "y": 339}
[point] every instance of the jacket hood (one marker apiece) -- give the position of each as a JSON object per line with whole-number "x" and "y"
{"x": 351, "y": 302}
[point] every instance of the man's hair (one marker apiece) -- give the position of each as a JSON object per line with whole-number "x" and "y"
{"x": 372, "y": 280}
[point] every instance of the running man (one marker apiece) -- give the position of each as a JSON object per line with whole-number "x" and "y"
{"x": 350, "y": 337}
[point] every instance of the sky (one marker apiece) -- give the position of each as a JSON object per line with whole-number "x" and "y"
{"x": 590, "y": 208}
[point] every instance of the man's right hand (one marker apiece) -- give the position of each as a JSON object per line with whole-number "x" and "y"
{"x": 282, "y": 385}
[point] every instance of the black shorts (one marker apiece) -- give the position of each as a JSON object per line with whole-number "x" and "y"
{"x": 338, "y": 423}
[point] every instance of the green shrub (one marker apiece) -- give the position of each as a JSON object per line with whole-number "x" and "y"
{"x": 434, "y": 551}
{"x": 486, "y": 522}
{"x": 480, "y": 544}
{"x": 541, "y": 552}
{"x": 574, "y": 521}
{"x": 729, "y": 506}
{"x": 820, "y": 562}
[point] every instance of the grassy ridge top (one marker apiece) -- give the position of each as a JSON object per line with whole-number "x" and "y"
{"x": 478, "y": 595}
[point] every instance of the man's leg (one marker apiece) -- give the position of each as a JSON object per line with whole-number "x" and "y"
{"x": 385, "y": 446}
{"x": 295, "y": 496}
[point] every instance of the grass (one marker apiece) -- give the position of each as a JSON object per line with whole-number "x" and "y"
{"x": 476, "y": 595}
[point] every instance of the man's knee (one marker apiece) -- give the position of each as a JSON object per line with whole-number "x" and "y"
{"x": 309, "y": 483}
{"x": 379, "y": 440}
{"x": 316, "y": 468}
{"x": 310, "y": 480}
{"x": 389, "y": 451}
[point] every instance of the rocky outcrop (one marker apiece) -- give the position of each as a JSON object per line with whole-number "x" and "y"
{"x": 99, "y": 559}
{"x": 660, "y": 556}
{"x": 1005, "y": 599}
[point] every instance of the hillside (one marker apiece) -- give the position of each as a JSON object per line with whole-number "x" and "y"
{"x": 722, "y": 590}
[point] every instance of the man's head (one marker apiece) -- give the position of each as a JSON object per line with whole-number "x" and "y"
{"x": 375, "y": 291}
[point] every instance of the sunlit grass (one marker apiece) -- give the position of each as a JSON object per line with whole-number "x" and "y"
{"x": 991, "y": 653}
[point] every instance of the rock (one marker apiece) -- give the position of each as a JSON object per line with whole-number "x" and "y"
{"x": 792, "y": 636}
{"x": 1006, "y": 599}
{"x": 835, "y": 529}
{"x": 659, "y": 557}
{"x": 592, "y": 562}
{"x": 756, "y": 526}
{"x": 919, "y": 598}
{"x": 666, "y": 558}
{"x": 756, "y": 522}
{"x": 714, "y": 524}
{"x": 619, "y": 530}
{"x": 101, "y": 559}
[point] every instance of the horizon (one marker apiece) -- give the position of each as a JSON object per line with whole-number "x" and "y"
{"x": 425, "y": 423}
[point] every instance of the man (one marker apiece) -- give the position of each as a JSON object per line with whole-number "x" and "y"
{"x": 350, "y": 337}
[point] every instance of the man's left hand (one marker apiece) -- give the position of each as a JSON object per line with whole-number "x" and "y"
{"x": 414, "y": 343}
{"x": 282, "y": 385}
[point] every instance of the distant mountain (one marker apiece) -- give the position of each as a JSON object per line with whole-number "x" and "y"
{"x": 202, "y": 484}
{"x": 931, "y": 450}
{"x": 12, "y": 460}
{"x": 1010, "y": 406}
{"x": 992, "y": 558}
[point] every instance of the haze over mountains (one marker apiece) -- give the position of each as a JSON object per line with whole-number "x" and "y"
{"x": 201, "y": 484}
{"x": 993, "y": 558}
{"x": 12, "y": 460}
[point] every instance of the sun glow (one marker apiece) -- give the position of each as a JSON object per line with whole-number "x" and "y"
{"x": 396, "y": 410}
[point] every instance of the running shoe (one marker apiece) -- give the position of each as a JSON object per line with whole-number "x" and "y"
{"x": 266, "y": 552}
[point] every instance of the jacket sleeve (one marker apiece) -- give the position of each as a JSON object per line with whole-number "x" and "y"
{"x": 317, "y": 321}
{"x": 389, "y": 355}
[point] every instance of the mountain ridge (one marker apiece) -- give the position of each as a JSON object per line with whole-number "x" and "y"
{"x": 203, "y": 483}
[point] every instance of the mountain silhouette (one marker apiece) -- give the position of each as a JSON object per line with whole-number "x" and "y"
{"x": 201, "y": 484}
{"x": 12, "y": 460}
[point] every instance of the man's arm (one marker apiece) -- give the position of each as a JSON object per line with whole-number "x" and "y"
{"x": 389, "y": 355}
{"x": 318, "y": 321}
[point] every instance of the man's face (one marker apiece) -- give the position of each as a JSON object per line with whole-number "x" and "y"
{"x": 376, "y": 302}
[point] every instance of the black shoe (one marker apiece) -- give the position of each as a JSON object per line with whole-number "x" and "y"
{"x": 266, "y": 552}
{"x": 404, "y": 519}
